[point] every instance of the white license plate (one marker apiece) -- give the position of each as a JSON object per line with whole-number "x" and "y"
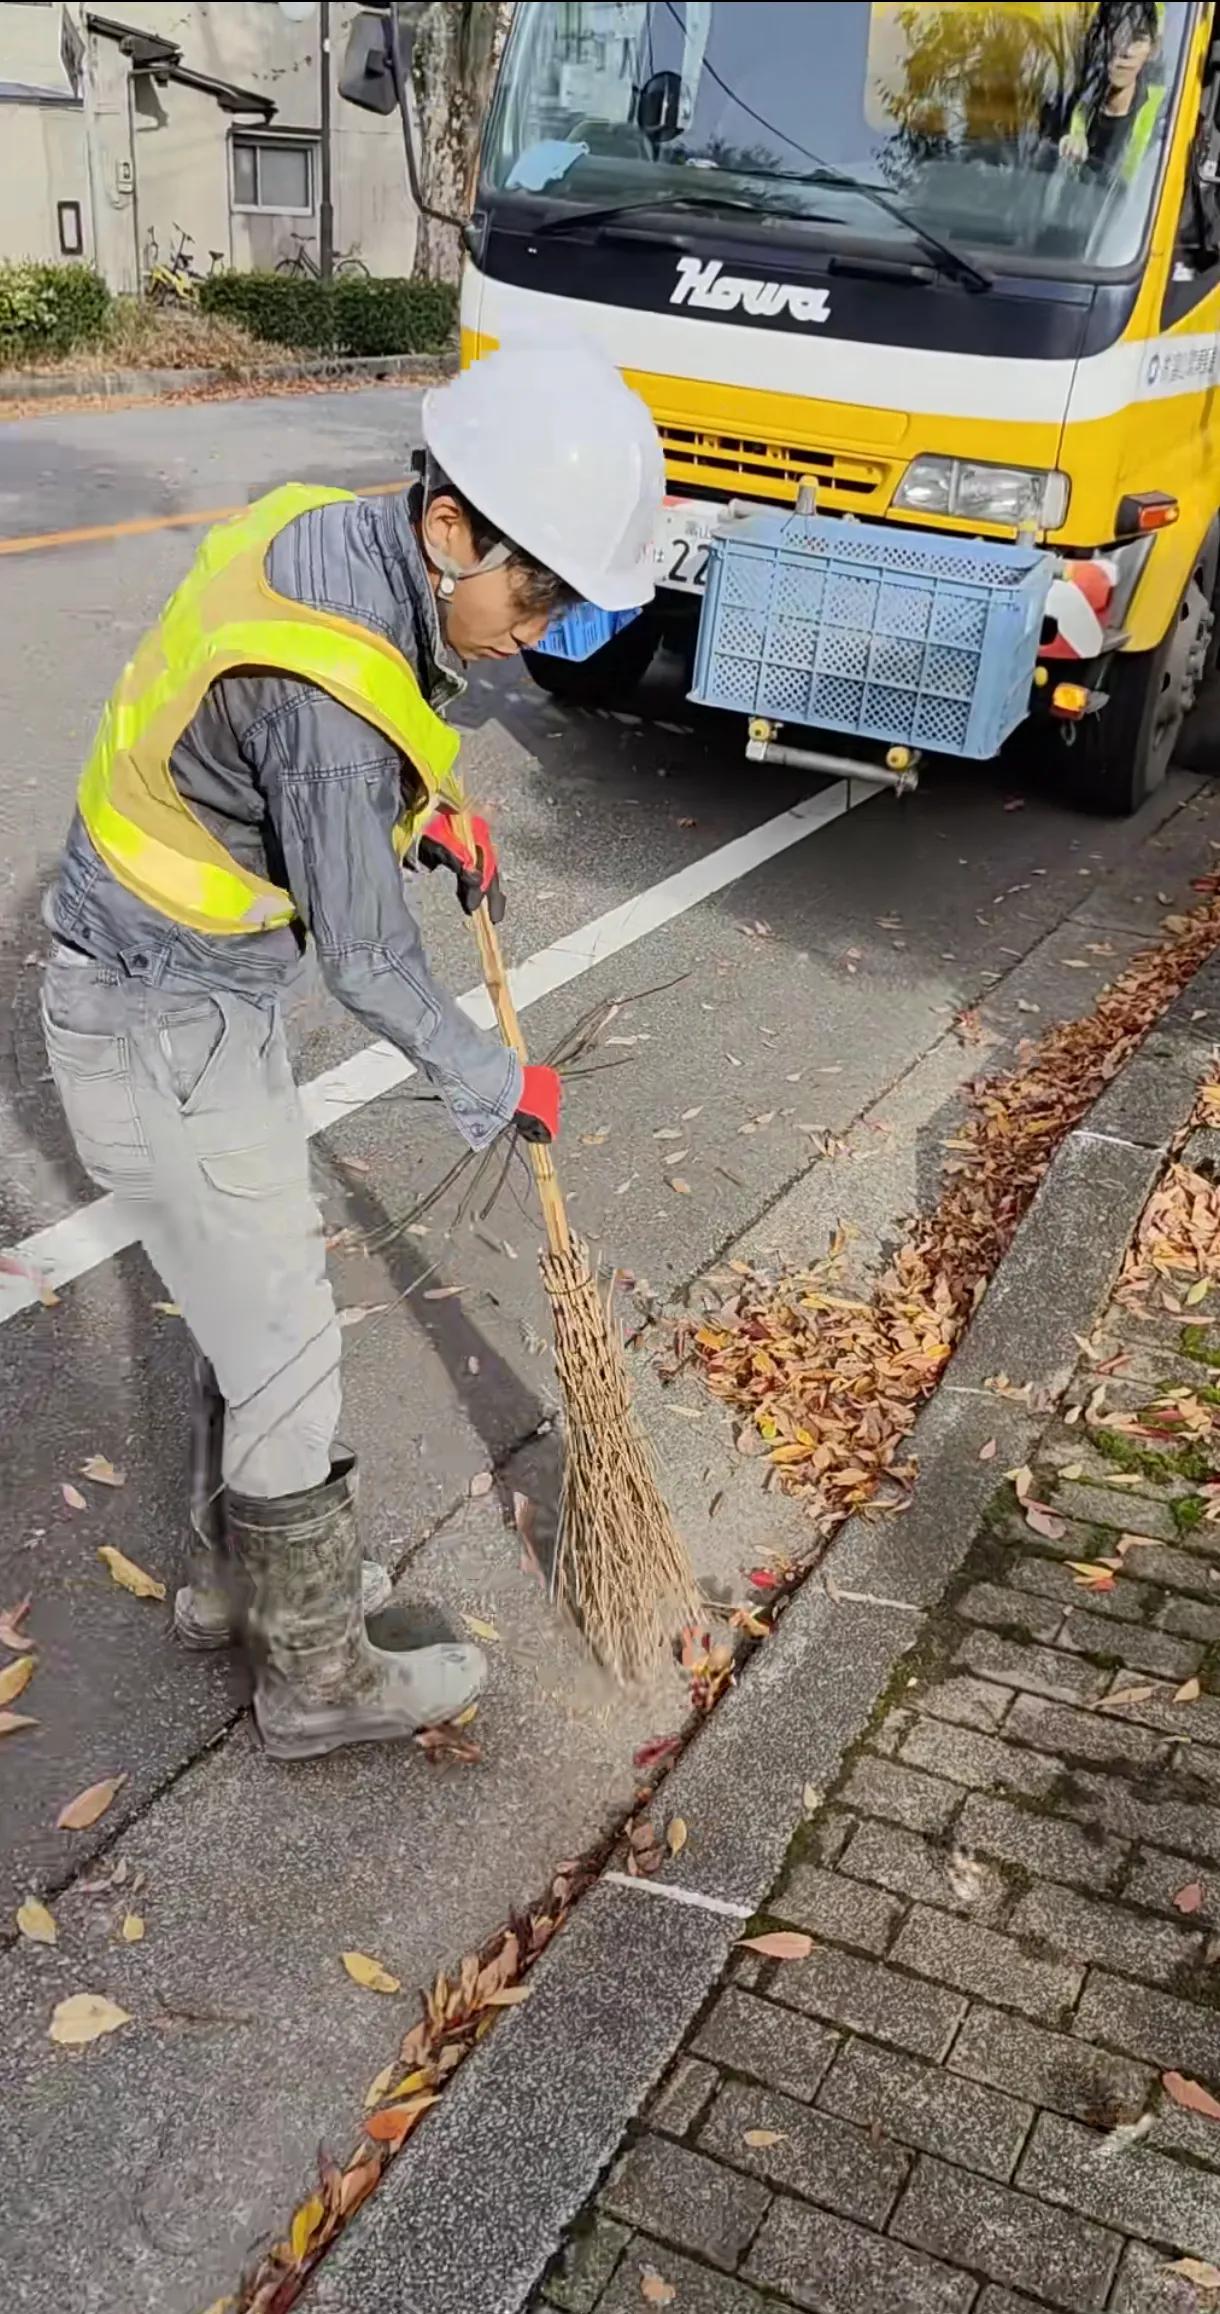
{"x": 681, "y": 544}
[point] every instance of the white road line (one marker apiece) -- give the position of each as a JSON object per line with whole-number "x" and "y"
{"x": 717, "y": 1904}
{"x": 67, "y": 1249}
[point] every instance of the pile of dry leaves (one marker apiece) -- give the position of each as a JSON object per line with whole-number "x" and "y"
{"x": 829, "y": 1385}
{"x": 1178, "y": 1239}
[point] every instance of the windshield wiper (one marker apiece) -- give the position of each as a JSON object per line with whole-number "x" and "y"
{"x": 951, "y": 260}
{"x": 572, "y": 219}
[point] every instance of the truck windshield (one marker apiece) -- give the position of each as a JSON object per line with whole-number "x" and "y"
{"x": 1016, "y": 129}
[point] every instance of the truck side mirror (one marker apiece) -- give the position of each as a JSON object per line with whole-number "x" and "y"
{"x": 366, "y": 76}
{"x": 376, "y": 73}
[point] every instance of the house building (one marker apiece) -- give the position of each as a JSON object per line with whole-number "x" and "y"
{"x": 196, "y": 117}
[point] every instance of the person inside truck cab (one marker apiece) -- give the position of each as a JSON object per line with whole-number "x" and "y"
{"x": 1118, "y": 101}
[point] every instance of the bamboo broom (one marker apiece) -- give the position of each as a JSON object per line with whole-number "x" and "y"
{"x": 620, "y": 1569}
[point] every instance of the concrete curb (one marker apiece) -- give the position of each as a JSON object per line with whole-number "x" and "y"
{"x": 473, "y": 2214}
{"x": 38, "y": 386}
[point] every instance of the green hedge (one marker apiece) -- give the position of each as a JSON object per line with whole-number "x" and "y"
{"x": 48, "y": 309}
{"x": 346, "y": 317}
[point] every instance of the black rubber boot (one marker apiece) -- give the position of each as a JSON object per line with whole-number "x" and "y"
{"x": 207, "y": 1612}
{"x": 318, "y": 1681}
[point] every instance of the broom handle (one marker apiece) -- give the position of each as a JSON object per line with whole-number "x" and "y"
{"x": 495, "y": 977}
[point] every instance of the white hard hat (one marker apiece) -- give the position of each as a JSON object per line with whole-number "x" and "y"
{"x": 561, "y": 457}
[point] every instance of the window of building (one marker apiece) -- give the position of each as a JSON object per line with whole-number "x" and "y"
{"x": 273, "y": 173}
{"x": 71, "y": 229}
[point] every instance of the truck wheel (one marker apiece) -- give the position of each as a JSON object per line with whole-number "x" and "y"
{"x": 1121, "y": 755}
{"x": 610, "y": 677}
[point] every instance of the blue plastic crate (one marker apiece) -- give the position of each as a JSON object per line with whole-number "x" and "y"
{"x": 885, "y": 633}
{"x": 582, "y": 631}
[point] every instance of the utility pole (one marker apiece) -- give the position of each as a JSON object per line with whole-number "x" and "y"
{"x": 326, "y": 212}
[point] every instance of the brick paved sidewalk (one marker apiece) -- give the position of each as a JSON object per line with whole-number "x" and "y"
{"x": 1000, "y": 1973}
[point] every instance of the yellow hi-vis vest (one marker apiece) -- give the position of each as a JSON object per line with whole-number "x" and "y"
{"x": 225, "y": 616}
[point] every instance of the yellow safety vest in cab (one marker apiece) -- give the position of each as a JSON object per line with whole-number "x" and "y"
{"x": 225, "y": 616}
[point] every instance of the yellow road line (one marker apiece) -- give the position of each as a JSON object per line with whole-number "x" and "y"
{"x": 41, "y": 541}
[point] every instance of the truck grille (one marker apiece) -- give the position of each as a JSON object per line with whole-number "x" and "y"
{"x": 742, "y": 468}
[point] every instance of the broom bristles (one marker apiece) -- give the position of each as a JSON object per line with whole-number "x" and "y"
{"x": 621, "y": 1569}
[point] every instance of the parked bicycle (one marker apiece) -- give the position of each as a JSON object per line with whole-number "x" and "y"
{"x": 302, "y": 265}
{"x": 176, "y": 279}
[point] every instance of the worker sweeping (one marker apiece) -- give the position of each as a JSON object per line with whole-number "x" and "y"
{"x": 271, "y": 757}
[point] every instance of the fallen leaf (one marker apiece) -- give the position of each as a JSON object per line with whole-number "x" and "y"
{"x": 654, "y": 2289}
{"x": 657, "y": 1748}
{"x": 1072, "y": 1470}
{"x": 1195, "y": 1294}
{"x": 464, "y": 1717}
{"x": 15, "y": 1677}
{"x": 676, "y": 1836}
{"x": 355, "y": 1315}
{"x": 1196, "y": 2270}
{"x": 132, "y": 1930}
{"x": 594, "y": 1140}
{"x": 687, "y": 1114}
{"x": 811, "y": 1799}
{"x": 680, "y": 1188}
{"x": 1042, "y": 1521}
{"x": 668, "y": 1133}
{"x": 1127, "y": 1543}
{"x": 508, "y": 1997}
{"x": 479, "y": 1630}
{"x": 1023, "y": 1478}
{"x": 481, "y": 1484}
{"x": 304, "y": 2226}
{"x": 1190, "y": 1898}
{"x": 763, "y": 2137}
{"x": 779, "y": 1944}
{"x": 1191, "y": 2095}
{"x": 1188, "y": 1692}
{"x": 129, "y": 1576}
{"x": 102, "y": 1471}
{"x": 221, "y": 2306}
{"x": 442, "y": 1293}
{"x": 72, "y": 1496}
{"x": 357, "y": 2183}
{"x": 36, "y": 1923}
{"x": 987, "y": 1453}
{"x": 379, "y": 2087}
{"x": 1091, "y": 1576}
{"x": 85, "y": 2017}
{"x": 1124, "y": 2136}
{"x": 10, "y": 1635}
{"x": 12, "y": 1721}
{"x": 88, "y": 1805}
{"x": 168, "y": 1309}
{"x": 394, "y": 2122}
{"x": 369, "y": 1973}
{"x": 1129, "y": 1695}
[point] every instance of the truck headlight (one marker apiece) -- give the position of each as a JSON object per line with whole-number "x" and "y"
{"x": 976, "y": 493}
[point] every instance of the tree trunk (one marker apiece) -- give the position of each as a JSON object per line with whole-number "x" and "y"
{"x": 456, "y": 48}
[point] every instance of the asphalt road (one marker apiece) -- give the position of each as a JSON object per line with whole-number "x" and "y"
{"x": 804, "y": 1006}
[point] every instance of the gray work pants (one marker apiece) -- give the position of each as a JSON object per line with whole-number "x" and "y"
{"x": 183, "y": 1106}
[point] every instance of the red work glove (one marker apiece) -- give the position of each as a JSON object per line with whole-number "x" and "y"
{"x": 477, "y": 871}
{"x": 537, "y": 1116}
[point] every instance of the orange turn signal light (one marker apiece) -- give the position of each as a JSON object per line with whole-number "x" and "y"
{"x": 1145, "y": 510}
{"x": 1070, "y": 699}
